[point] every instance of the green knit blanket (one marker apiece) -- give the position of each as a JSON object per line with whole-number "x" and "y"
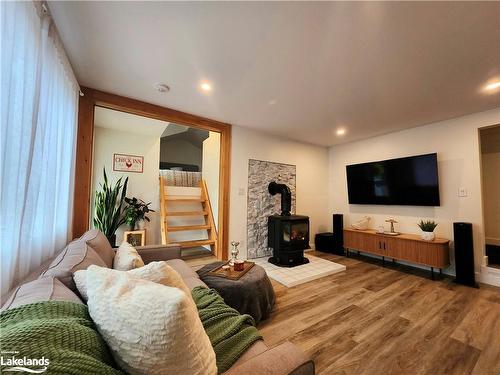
{"x": 60, "y": 332}
{"x": 230, "y": 333}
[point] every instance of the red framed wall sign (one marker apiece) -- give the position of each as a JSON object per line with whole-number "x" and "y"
{"x": 128, "y": 163}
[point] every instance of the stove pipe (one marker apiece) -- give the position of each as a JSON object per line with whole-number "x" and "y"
{"x": 286, "y": 196}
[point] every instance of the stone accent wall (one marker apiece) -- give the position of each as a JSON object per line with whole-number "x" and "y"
{"x": 261, "y": 204}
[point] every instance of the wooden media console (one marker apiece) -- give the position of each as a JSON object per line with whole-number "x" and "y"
{"x": 406, "y": 247}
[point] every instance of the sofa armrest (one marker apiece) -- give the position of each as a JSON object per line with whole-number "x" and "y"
{"x": 152, "y": 253}
{"x": 284, "y": 359}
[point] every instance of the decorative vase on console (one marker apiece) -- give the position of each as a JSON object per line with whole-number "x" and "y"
{"x": 427, "y": 229}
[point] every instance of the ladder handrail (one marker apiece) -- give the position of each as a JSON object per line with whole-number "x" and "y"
{"x": 163, "y": 213}
{"x": 208, "y": 207}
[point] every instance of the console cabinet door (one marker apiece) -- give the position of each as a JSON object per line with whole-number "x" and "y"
{"x": 353, "y": 240}
{"x": 377, "y": 245}
{"x": 402, "y": 249}
{"x": 433, "y": 254}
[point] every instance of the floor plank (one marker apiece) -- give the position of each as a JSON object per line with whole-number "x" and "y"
{"x": 388, "y": 320}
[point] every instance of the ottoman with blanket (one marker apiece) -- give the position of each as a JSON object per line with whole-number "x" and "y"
{"x": 45, "y": 316}
{"x": 252, "y": 294}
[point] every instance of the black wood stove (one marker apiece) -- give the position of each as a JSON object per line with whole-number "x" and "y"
{"x": 288, "y": 235}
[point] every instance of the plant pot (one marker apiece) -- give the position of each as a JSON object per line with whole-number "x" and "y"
{"x": 427, "y": 236}
{"x": 140, "y": 224}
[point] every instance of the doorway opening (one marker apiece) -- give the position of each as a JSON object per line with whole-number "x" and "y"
{"x": 171, "y": 168}
{"x": 490, "y": 167}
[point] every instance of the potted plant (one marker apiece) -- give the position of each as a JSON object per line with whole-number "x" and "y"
{"x": 427, "y": 228}
{"x": 136, "y": 212}
{"x": 110, "y": 207}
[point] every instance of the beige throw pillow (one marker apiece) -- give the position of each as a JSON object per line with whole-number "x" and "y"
{"x": 127, "y": 258}
{"x": 150, "y": 328}
{"x": 157, "y": 272}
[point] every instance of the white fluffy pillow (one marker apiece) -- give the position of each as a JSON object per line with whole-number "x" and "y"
{"x": 127, "y": 258}
{"x": 150, "y": 328}
{"x": 157, "y": 272}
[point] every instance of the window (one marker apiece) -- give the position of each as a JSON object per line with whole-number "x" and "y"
{"x": 39, "y": 103}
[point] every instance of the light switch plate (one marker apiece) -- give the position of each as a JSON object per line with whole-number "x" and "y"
{"x": 462, "y": 192}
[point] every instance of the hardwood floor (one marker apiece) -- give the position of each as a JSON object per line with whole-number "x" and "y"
{"x": 392, "y": 320}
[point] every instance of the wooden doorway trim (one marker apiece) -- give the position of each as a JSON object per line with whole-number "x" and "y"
{"x": 84, "y": 157}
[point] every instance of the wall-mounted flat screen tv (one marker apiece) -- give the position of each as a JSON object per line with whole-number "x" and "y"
{"x": 411, "y": 181}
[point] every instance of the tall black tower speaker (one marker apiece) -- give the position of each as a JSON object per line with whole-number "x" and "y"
{"x": 464, "y": 254}
{"x": 338, "y": 233}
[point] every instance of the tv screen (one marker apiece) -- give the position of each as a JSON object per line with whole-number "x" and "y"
{"x": 411, "y": 181}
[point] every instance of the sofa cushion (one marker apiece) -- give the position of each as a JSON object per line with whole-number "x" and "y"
{"x": 193, "y": 282}
{"x": 44, "y": 289}
{"x": 33, "y": 275}
{"x": 182, "y": 268}
{"x": 150, "y": 328}
{"x": 157, "y": 272}
{"x": 98, "y": 241}
{"x": 76, "y": 256}
{"x": 127, "y": 258}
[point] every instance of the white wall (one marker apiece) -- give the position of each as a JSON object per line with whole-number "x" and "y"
{"x": 210, "y": 171}
{"x": 456, "y": 142}
{"x": 141, "y": 185}
{"x": 312, "y": 179}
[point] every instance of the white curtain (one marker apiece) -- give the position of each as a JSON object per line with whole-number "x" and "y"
{"x": 39, "y": 104}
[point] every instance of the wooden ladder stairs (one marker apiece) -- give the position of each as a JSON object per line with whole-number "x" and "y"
{"x": 167, "y": 201}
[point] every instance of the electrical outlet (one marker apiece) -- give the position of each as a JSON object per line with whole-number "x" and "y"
{"x": 462, "y": 192}
{"x": 241, "y": 191}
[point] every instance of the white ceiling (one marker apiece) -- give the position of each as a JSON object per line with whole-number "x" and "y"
{"x": 298, "y": 70}
{"x": 126, "y": 122}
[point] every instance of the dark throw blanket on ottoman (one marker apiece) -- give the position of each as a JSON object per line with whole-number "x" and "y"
{"x": 252, "y": 294}
{"x": 230, "y": 333}
{"x": 61, "y": 332}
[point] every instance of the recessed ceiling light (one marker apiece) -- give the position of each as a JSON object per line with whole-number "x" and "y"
{"x": 272, "y": 102}
{"x": 162, "y": 88}
{"x": 340, "y": 131}
{"x": 205, "y": 86}
{"x": 492, "y": 86}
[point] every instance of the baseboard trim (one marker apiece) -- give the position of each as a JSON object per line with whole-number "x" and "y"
{"x": 492, "y": 241}
{"x": 489, "y": 275}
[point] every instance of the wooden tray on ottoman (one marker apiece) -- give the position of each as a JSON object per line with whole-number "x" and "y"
{"x": 231, "y": 274}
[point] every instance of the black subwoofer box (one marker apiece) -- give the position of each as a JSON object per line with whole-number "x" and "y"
{"x": 324, "y": 242}
{"x": 332, "y": 242}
